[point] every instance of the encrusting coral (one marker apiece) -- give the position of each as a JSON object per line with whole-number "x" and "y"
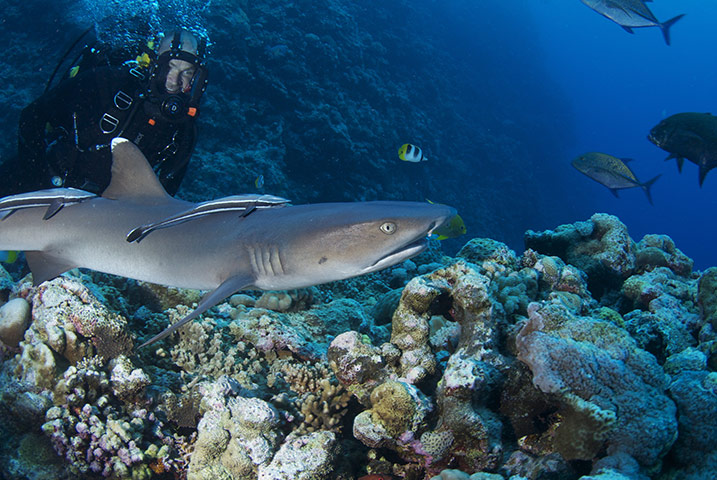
{"x": 69, "y": 319}
{"x": 597, "y": 371}
{"x": 600, "y": 247}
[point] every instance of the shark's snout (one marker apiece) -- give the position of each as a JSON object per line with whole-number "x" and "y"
{"x": 417, "y": 243}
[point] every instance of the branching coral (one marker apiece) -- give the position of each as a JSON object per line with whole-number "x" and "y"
{"x": 96, "y": 434}
{"x": 321, "y": 401}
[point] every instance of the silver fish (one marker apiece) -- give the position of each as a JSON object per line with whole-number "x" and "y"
{"x": 631, "y": 14}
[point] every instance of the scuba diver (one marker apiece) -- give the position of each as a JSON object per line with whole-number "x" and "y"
{"x": 64, "y": 136}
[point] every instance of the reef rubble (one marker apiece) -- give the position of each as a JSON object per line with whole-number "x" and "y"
{"x": 588, "y": 356}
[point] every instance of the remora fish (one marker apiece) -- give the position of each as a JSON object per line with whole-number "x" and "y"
{"x": 611, "y": 172}
{"x": 226, "y": 245}
{"x": 688, "y": 135}
{"x": 631, "y": 14}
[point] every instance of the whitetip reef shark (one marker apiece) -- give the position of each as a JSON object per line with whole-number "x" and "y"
{"x": 136, "y": 230}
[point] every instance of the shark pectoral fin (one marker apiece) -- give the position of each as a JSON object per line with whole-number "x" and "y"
{"x": 229, "y": 286}
{"x": 44, "y": 267}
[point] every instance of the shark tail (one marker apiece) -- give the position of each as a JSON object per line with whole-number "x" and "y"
{"x": 665, "y": 27}
{"x": 647, "y": 185}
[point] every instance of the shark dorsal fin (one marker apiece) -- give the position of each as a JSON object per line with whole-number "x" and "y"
{"x": 131, "y": 174}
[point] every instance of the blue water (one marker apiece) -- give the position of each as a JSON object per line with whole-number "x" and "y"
{"x": 619, "y": 86}
{"x": 552, "y": 74}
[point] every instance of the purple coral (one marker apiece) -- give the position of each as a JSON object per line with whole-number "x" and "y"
{"x": 585, "y": 360}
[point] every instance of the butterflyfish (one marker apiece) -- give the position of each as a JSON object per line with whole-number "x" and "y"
{"x": 411, "y": 153}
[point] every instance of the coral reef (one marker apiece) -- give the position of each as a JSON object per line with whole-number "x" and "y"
{"x": 235, "y": 436}
{"x": 302, "y": 457}
{"x": 600, "y": 247}
{"x": 493, "y": 365}
{"x": 435, "y": 360}
{"x": 70, "y": 319}
{"x": 707, "y": 295}
{"x": 98, "y": 433}
{"x": 14, "y": 320}
{"x": 596, "y": 372}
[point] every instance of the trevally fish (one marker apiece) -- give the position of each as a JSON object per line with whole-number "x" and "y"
{"x": 688, "y": 135}
{"x": 612, "y": 172}
{"x": 631, "y": 14}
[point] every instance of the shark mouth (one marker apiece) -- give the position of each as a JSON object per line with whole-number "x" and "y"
{"x": 400, "y": 254}
{"x": 406, "y": 251}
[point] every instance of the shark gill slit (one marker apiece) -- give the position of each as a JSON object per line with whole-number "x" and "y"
{"x": 266, "y": 261}
{"x": 277, "y": 268}
{"x": 255, "y": 259}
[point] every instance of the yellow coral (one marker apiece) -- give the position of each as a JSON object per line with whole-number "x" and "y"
{"x": 393, "y": 407}
{"x": 325, "y": 409}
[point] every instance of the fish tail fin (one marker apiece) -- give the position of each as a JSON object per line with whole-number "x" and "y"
{"x": 665, "y": 27}
{"x": 703, "y": 173}
{"x": 647, "y": 185}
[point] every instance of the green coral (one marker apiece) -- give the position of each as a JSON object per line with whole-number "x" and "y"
{"x": 609, "y": 315}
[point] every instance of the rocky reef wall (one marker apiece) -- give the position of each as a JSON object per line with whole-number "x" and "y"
{"x": 317, "y": 96}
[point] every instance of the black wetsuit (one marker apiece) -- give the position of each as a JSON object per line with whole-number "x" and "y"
{"x": 64, "y": 136}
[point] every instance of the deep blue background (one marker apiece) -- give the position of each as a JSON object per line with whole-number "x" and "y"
{"x": 500, "y": 94}
{"x": 619, "y": 86}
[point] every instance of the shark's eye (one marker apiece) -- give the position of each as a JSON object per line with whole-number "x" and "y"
{"x": 389, "y": 228}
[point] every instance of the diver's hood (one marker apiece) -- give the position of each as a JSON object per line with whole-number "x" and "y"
{"x": 177, "y": 106}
